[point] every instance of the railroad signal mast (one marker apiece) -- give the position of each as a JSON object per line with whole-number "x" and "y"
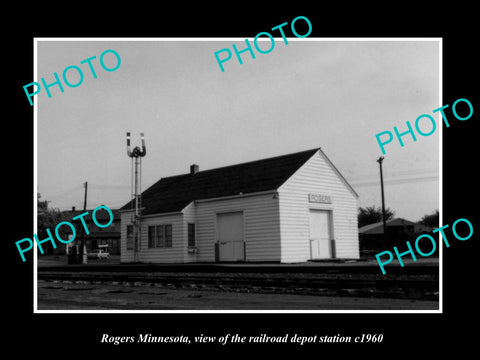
{"x": 136, "y": 154}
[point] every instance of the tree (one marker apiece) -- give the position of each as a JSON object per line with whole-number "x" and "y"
{"x": 371, "y": 214}
{"x": 48, "y": 218}
{"x": 432, "y": 220}
{"x": 42, "y": 205}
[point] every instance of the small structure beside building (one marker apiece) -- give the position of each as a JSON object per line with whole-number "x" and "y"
{"x": 290, "y": 208}
{"x": 98, "y": 236}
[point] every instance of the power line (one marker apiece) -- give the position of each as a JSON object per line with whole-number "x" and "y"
{"x": 396, "y": 181}
{"x": 109, "y": 187}
{"x": 61, "y": 195}
{"x": 423, "y": 172}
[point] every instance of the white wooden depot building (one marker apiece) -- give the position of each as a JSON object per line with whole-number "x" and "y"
{"x": 290, "y": 208}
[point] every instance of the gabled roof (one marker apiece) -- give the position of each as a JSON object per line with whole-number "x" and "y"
{"x": 172, "y": 194}
{"x": 334, "y": 168}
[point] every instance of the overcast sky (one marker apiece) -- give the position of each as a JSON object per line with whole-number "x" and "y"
{"x": 310, "y": 93}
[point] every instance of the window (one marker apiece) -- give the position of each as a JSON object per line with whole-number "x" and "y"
{"x": 160, "y": 243}
{"x": 160, "y": 236}
{"x": 151, "y": 236}
{"x": 168, "y": 235}
{"x": 129, "y": 237}
{"x": 191, "y": 235}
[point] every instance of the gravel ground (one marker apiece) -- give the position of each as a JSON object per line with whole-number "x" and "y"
{"x": 64, "y": 295}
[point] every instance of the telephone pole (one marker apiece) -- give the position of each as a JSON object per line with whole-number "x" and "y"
{"x": 83, "y": 248}
{"x": 380, "y": 161}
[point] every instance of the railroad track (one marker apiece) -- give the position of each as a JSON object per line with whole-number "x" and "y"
{"x": 422, "y": 287}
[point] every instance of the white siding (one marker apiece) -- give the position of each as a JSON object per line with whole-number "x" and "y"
{"x": 125, "y": 219}
{"x": 174, "y": 254}
{"x": 316, "y": 176}
{"x": 261, "y": 226}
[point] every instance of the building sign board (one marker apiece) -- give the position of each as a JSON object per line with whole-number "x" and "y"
{"x": 319, "y": 198}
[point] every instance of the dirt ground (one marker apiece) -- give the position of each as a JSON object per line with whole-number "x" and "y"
{"x": 61, "y": 295}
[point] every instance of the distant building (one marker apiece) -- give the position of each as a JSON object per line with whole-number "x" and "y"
{"x": 372, "y": 238}
{"x": 290, "y": 208}
{"x": 98, "y": 236}
{"x": 394, "y": 226}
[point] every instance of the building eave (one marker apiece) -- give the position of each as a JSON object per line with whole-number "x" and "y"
{"x": 238, "y": 196}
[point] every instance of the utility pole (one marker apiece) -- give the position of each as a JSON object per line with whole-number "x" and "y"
{"x": 384, "y": 219}
{"x": 83, "y": 247}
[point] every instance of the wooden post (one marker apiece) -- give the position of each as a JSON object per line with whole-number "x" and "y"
{"x": 380, "y": 161}
{"x": 83, "y": 247}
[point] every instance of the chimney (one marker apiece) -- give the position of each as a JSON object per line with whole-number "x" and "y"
{"x": 193, "y": 169}
{"x": 73, "y": 208}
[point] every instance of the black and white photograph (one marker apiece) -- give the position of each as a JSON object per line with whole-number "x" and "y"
{"x": 287, "y": 216}
{"x": 228, "y": 182}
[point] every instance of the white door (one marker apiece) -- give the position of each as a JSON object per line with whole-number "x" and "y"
{"x": 230, "y": 237}
{"x": 320, "y": 234}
